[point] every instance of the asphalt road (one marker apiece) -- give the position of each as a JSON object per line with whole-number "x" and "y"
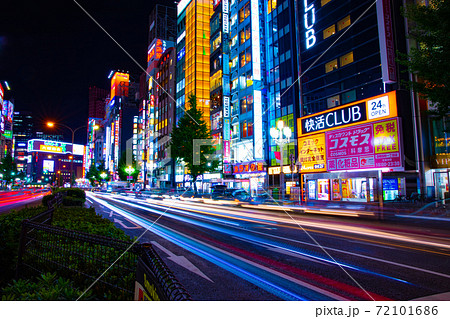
{"x": 232, "y": 253}
{"x": 18, "y": 200}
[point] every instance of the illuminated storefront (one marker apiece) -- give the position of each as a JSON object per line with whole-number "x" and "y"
{"x": 250, "y": 176}
{"x": 345, "y": 151}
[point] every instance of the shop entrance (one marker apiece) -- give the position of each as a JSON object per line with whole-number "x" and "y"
{"x": 347, "y": 187}
{"x": 441, "y": 184}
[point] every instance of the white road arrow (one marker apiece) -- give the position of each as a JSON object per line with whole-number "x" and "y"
{"x": 125, "y": 226}
{"x": 182, "y": 261}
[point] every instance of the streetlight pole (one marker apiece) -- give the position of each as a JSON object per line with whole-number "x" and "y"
{"x": 51, "y": 124}
{"x": 281, "y": 135}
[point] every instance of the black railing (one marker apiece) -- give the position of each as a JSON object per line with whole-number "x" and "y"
{"x": 87, "y": 259}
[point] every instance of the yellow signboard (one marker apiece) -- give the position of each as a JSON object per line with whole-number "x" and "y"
{"x": 312, "y": 153}
{"x": 276, "y": 170}
{"x": 49, "y": 148}
{"x": 386, "y": 137}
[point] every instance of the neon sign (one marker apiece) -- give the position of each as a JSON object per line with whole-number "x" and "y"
{"x": 309, "y": 19}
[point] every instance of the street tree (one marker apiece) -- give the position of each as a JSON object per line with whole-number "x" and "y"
{"x": 93, "y": 175}
{"x": 8, "y": 168}
{"x": 429, "y": 61}
{"x": 186, "y": 142}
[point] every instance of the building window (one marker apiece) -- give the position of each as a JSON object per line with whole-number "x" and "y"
{"x": 328, "y": 32}
{"x": 348, "y": 97}
{"x": 233, "y": 41}
{"x": 242, "y": 59}
{"x": 250, "y": 129}
{"x": 233, "y": 20}
{"x": 333, "y": 101}
{"x": 248, "y": 56}
{"x": 249, "y": 102}
{"x": 249, "y": 79}
{"x": 234, "y": 62}
{"x": 217, "y": 41}
{"x": 244, "y": 129}
{"x": 330, "y": 66}
{"x": 243, "y": 105}
{"x": 324, "y": 2}
{"x": 244, "y": 12}
{"x": 271, "y": 5}
{"x": 344, "y": 23}
{"x": 346, "y": 59}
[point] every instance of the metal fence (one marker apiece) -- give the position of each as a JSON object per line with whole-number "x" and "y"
{"x": 86, "y": 258}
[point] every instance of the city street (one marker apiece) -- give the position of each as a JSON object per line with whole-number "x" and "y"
{"x": 20, "y": 199}
{"x": 221, "y": 252}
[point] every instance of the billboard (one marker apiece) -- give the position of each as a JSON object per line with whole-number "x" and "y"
{"x": 8, "y": 110}
{"x": 119, "y": 84}
{"x": 48, "y": 166}
{"x": 368, "y": 110}
{"x": 312, "y": 153}
{"x": 249, "y": 167}
{"x": 37, "y": 145}
{"x": 1, "y": 97}
{"x": 157, "y": 48}
{"x": 367, "y": 146}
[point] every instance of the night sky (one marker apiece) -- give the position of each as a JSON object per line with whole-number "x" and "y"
{"x": 51, "y": 52}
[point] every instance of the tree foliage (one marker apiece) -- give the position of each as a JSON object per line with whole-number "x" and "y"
{"x": 192, "y": 127}
{"x": 93, "y": 174}
{"x": 122, "y": 165}
{"x": 8, "y": 168}
{"x": 430, "y": 60}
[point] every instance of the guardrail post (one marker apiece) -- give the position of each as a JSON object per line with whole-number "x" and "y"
{"x": 22, "y": 246}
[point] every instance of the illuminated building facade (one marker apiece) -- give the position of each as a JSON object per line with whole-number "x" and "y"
{"x": 354, "y": 111}
{"x": 119, "y": 119}
{"x": 164, "y": 119}
{"x": 95, "y": 142}
{"x": 238, "y": 91}
{"x": 49, "y": 162}
{"x": 283, "y": 92}
{"x": 22, "y": 131}
{"x": 162, "y": 35}
{"x": 193, "y": 61}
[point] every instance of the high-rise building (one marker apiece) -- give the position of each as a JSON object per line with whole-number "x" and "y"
{"x": 23, "y": 128}
{"x": 354, "y": 108}
{"x": 165, "y": 118}
{"x": 49, "y": 137}
{"x": 282, "y": 89}
{"x": 193, "y": 61}
{"x": 162, "y": 35}
{"x": 193, "y": 50}
{"x": 98, "y": 98}
{"x": 239, "y": 92}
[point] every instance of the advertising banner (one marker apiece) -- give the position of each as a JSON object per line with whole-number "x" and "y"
{"x": 312, "y": 153}
{"x": 364, "y": 111}
{"x": 248, "y": 167}
{"x": 373, "y": 145}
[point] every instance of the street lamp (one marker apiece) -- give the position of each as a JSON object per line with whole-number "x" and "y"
{"x": 51, "y": 124}
{"x": 130, "y": 171}
{"x": 103, "y": 175}
{"x": 281, "y": 135}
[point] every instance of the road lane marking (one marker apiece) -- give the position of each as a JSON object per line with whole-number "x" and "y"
{"x": 121, "y": 223}
{"x": 182, "y": 261}
{"x": 342, "y": 251}
{"x": 144, "y": 223}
